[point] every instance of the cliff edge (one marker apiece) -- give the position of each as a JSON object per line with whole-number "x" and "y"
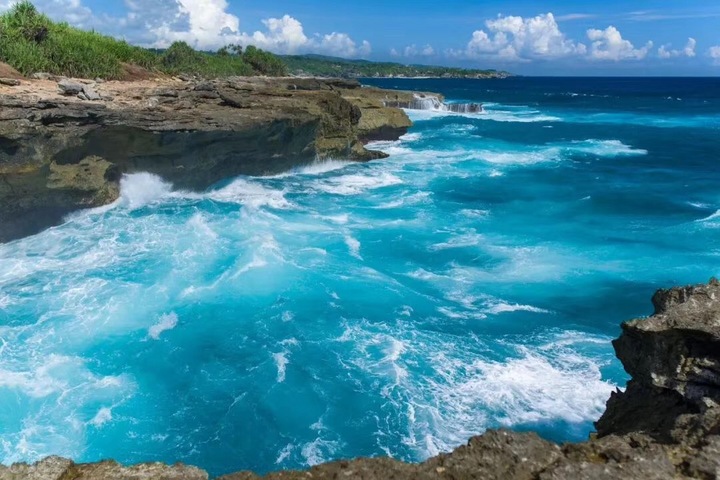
{"x": 665, "y": 425}
{"x": 64, "y": 144}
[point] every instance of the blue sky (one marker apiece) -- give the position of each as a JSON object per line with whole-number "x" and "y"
{"x": 554, "y": 37}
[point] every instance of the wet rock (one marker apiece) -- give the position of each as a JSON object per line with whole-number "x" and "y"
{"x": 464, "y": 107}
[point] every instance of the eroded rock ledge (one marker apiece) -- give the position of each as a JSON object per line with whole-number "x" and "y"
{"x": 665, "y": 425}
{"x": 65, "y": 145}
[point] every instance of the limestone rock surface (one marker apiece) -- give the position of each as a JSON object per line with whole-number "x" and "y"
{"x": 65, "y": 145}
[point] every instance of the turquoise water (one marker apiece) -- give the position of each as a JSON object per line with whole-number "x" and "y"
{"x": 472, "y": 280}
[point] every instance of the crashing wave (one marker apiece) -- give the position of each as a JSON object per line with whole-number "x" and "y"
{"x": 432, "y": 102}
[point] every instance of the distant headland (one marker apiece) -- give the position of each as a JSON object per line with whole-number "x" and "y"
{"x": 324, "y": 66}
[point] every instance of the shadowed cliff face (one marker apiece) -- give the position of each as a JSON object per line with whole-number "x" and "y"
{"x": 665, "y": 425}
{"x": 59, "y": 154}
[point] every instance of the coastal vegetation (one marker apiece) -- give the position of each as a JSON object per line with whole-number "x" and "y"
{"x": 323, "y": 66}
{"x": 30, "y": 42}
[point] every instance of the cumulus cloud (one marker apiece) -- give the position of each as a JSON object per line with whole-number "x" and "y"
{"x": 414, "y": 51}
{"x": 609, "y": 44}
{"x": 688, "y": 51}
{"x": 714, "y": 53}
{"x": 284, "y": 35}
{"x": 522, "y": 39}
{"x": 340, "y": 44}
{"x": 204, "y": 24}
{"x": 516, "y": 38}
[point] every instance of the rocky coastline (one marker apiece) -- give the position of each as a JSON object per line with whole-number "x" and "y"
{"x": 664, "y": 425}
{"x": 65, "y": 144}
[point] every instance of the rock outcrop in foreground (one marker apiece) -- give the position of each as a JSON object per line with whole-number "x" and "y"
{"x": 665, "y": 425}
{"x": 65, "y": 144}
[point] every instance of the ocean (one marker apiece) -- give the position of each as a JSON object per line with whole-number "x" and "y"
{"x": 472, "y": 280}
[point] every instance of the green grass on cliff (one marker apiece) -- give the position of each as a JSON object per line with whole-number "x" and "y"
{"x": 30, "y": 42}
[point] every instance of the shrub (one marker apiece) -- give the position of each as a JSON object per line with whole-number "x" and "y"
{"x": 264, "y": 63}
{"x": 24, "y": 22}
{"x": 181, "y": 58}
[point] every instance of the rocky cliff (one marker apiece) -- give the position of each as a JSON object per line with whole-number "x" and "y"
{"x": 665, "y": 425}
{"x": 64, "y": 145}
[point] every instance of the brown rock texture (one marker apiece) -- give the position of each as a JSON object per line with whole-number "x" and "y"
{"x": 56, "y": 468}
{"x": 60, "y": 152}
{"x": 665, "y": 425}
{"x": 6, "y": 71}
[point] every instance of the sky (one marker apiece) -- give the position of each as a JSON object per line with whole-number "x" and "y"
{"x": 550, "y": 37}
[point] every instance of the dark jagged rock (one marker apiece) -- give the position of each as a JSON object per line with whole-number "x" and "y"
{"x": 464, "y": 107}
{"x": 192, "y": 134}
{"x": 673, "y": 358}
{"x": 665, "y": 425}
{"x": 425, "y": 101}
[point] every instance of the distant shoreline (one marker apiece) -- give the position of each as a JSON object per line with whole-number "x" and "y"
{"x": 323, "y": 77}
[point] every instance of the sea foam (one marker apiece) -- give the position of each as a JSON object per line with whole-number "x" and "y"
{"x": 140, "y": 189}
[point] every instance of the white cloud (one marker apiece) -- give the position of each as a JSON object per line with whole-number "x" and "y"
{"x": 688, "y": 51}
{"x": 656, "y": 15}
{"x": 574, "y": 16}
{"x": 714, "y": 53}
{"x": 517, "y": 38}
{"x": 285, "y": 35}
{"x": 340, "y": 44}
{"x": 414, "y": 51}
{"x": 201, "y": 23}
{"x": 428, "y": 51}
{"x": 208, "y": 25}
{"x": 609, "y": 44}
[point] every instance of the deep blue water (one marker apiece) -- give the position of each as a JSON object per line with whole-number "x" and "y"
{"x": 472, "y": 280}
